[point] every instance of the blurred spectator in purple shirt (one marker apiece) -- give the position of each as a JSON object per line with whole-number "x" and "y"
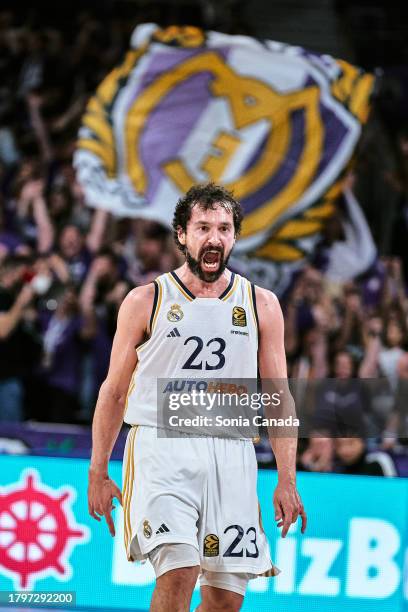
{"x": 77, "y": 248}
{"x": 102, "y": 293}
{"x": 64, "y": 331}
{"x": 343, "y": 400}
{"x": 73, "y": 250}
{"x": 149, "y": 251}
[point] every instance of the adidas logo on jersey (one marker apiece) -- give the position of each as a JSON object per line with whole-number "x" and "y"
{"x": 174, "y": 333}
{"x": 162, "y": 529}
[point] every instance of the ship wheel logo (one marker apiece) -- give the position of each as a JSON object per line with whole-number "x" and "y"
{"x": 37, "y": 531}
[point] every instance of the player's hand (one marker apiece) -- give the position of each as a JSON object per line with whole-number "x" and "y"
{"x": 288, "y": 506}
{"x": 101, "y": 491}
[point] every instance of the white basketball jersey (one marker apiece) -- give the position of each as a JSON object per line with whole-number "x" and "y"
{"x": 193, "y": 337}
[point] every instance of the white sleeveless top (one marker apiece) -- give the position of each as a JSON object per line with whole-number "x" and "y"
{"x": 193, "y": 338}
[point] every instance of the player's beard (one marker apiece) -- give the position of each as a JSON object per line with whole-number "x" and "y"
{"x": 196, "y": 269}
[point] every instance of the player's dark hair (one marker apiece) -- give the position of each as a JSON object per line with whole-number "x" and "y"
{"x": 207, "y": 197}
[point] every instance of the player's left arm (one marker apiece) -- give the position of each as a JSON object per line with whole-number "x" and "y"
{"x": 273, "y": 371}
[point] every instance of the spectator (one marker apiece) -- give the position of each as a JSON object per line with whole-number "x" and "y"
{"x": 341, "y": 401}
{"x": 312, "y": 361}
{"x": 396, "y": 429}
{"x": 19, "y": 343}
{"x": 73, "y": 250}
{"x": 64, "y": 332}
{"x": 350, "y": 336}
{"x": 148, "y": 252}
{"x": 353, "y": 458}
{"x": 33, "y": 218}
{"x": 385, "y": 343}
{"x": 10, "y": 241}
{"x": 394, "y": 293}
{"x": 310, "y": 320}
{"x": 60, "y": 206}
{"x": 319, "y": 453}
{"x": 101, "y": 295}
{"x": 393, "y": 349}
{"x": 77, "y": 248}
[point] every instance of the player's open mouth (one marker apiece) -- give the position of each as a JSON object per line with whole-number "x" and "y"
{"x": 211, "y": 260}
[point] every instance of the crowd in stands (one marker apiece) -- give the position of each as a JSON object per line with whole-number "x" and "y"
{"x": 65, "y": 268}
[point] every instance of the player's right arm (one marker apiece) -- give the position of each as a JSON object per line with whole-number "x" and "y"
{"x": 132, "y": 329}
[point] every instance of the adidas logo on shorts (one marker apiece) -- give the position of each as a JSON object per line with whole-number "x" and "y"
{"x": 162, "y": 529}
{"x": 174, "y": 333}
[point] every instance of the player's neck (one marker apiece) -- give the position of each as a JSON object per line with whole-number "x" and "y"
{"x": 200, "y": 288}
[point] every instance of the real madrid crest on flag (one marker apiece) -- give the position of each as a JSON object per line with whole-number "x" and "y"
{"x": 175, "y": 313}
{"x": 274, "y": 123}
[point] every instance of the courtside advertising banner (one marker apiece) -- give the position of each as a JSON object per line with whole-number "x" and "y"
{"x": 351, "y": 557}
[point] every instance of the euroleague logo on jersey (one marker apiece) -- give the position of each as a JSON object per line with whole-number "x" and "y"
{"x": 239, "y": 316}
{"x": 211, "y": 545}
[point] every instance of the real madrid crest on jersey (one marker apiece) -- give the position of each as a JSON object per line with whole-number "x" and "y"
{"x": 147, "y": 530}
{"x": 175, "y": 313}
{"x": 239, "y": 316}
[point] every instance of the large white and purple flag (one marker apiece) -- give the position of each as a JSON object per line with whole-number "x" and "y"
{"x": 275, "y": 123}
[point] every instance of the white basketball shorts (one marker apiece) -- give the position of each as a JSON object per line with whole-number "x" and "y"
{"x": 197, "y": 491}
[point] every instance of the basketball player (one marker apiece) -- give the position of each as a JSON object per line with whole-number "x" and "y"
{"x": 190, "y": 503}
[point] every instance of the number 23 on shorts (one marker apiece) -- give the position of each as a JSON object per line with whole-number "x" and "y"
{"x": 244, "y": 543}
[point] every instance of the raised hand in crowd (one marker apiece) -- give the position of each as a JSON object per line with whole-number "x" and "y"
{"x": 11, "y": 318}
{"x": 372, "y": 331}
{"x": 98, "y": 269}
{"x": 394, "y": 289}
{"x": 59, "y": 268}
{"x": 350, "y": 332}
{"x": 32, "y": 203}
{"x": 34, "y": 103}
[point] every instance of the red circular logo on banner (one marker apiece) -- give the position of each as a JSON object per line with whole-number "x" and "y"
{"x": 36, "y": 530}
